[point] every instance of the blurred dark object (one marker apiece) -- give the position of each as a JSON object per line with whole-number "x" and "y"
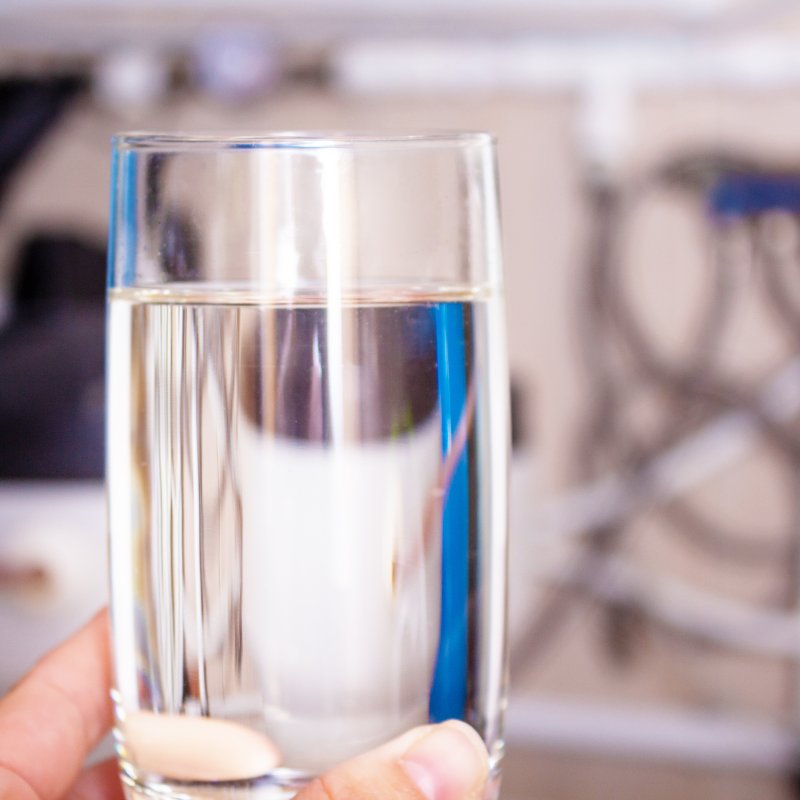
{"x": 52, "y": 363}
{"x": 179, "y": 248}
{"x": 28, "y": 109}
{"x": 57, "y": 269}
{"x": 176, "y": 241}
{"x": 51, "y": 347}
{"x": 519, "y": 430}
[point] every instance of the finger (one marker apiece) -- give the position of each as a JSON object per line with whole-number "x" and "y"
{"x": 52, "y": 719}
{"x": 100, "y": 782}
{"x": 436, "y": 762}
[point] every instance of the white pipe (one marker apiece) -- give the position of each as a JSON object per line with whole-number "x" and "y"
{"x": 654, "y": 734}
{"x": 680, "y": 468}
{"x": 685, "y": 608}
{"x": 546, "y": 64}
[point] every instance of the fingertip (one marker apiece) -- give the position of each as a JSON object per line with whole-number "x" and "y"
{"x": 52, "y": 719}
{"x": 472, "y": 736}
{"x": 449, "y": 763}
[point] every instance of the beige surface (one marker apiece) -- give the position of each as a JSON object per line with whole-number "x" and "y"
{"x": 549, "y": 776}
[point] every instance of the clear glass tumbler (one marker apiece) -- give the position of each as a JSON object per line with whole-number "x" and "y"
{"x": 307, "y": 452}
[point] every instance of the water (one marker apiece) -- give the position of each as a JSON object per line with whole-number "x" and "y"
{"x": 307, "y": 509}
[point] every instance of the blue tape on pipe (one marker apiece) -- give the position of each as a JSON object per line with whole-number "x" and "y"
{"x": 742, "y": 195}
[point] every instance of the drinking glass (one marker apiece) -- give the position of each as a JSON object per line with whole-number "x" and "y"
{"x": 307, "y": 452}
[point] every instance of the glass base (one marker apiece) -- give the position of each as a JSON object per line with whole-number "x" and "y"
{"x": 257, "y": 789}
{"x": 272, "y": 788}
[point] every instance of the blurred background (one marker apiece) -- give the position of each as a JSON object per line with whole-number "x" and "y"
{"x": 650, "y": 171}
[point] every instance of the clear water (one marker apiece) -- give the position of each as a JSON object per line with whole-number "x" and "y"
{"x": 307, "y": 510}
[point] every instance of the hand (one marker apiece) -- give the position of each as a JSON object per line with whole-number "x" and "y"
{"x": 57, "y": 714}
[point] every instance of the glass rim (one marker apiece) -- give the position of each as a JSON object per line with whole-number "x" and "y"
{"x": 300, "y": 139}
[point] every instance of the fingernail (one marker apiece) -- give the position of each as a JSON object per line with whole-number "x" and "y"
{"x": 450, "y": 763}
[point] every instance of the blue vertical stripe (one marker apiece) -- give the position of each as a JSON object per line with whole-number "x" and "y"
{"x": 449, "y": 693}
{"x": 123, "y": 221}
{"x": 112, "y": 219}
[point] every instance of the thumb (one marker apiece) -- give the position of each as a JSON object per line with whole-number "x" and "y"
{"x": 434, "y": 762}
